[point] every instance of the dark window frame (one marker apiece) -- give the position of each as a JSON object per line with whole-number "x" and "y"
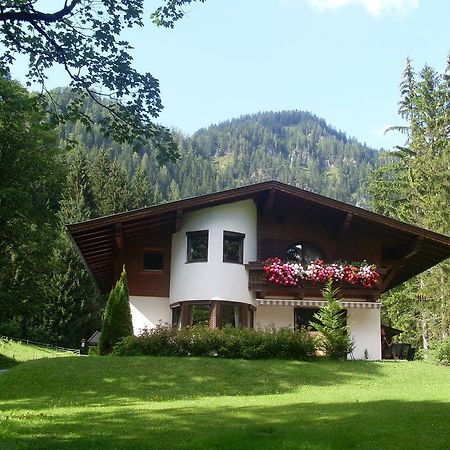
{"x": 234, "y": 234}
{"x": 176, "y": 316}
{"x": 189, "y": 236}
{"x": 155, "y": 250}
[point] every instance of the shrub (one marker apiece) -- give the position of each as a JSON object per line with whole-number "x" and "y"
{"x": 331, "y": 323}
{"x": 227, "y": 342}
{"x": 117, "y": 320}
{"x": 93, "y": 350}
{"x": 442, "y": 352}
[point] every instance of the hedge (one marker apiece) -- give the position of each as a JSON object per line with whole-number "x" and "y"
{"x": 228, "y": 342}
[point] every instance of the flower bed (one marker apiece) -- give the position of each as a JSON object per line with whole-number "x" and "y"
{"x": 293, "y": 274}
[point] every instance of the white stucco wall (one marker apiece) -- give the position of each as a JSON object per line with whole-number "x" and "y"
{"x": 146, "y": 312}
{"x": 278, "y": 316}
{"x": 365, "y": 329}
{"x": 214, "y": 279}
{"x": 364, "y": 326}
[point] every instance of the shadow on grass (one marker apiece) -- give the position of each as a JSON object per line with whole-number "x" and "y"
{"x": 113, "y": 380}
{"x": 6, "y": 362}
{"x": 390, "y": 424}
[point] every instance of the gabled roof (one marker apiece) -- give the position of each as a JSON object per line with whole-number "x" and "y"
{"x": 96, "y": 239}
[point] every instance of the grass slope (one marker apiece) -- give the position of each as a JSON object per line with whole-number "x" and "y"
{"x": 169, "y": 403}
{"x": 13, "y": 353}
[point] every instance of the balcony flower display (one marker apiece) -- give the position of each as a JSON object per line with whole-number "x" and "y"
{"x": 293, "y": 274}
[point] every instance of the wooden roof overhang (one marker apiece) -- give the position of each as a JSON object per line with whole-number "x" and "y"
{"x": 409, "y": 249}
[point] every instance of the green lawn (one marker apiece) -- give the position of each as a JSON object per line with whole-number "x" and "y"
{"x": 170, "y": 403}
{"x": 13, "y": 353}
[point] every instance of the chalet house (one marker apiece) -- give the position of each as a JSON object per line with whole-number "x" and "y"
{"x": 199, "y": 260}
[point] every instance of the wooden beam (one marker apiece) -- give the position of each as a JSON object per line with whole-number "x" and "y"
{"x": 82, "y": 242}
{"x": 345, "y": 225}
{"x": 118, "y": 234}
{"x": 415, "y": 248}
{"x": 390, "y": 276}
{"x": 149, "y": 224}
{"x": 96, "y": 251}
{"x": 85, "y": 249}
{"x": 409, "y": 252}
{"x": 95, "y": 233}
{"x": 269, "y": 203}
{"x": 100, "y": 258}
{"x": 102, "y": 263}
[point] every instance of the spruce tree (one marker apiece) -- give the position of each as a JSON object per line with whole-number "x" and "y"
{"x": 414, "y": 186}
{"x": 72, "y": 309}
{"x": 141, "y": 194}
{"x": 117, "y": 322}
{"x": 331, "y": 323}
{"x": 174, "y": 191}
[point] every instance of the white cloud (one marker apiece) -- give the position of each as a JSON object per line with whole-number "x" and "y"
{"x": 376, "y": 8}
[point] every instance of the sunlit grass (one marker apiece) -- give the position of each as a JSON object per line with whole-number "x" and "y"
{"x": 195, "y": 403}
{"x": 12, "y": 353}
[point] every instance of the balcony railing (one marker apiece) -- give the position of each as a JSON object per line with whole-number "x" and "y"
{"x": 258, "y": 283}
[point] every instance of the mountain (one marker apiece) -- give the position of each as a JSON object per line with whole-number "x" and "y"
{"x": 294, "y": 147}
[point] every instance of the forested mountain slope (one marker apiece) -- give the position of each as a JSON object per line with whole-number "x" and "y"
{"x": 294, "y": 147}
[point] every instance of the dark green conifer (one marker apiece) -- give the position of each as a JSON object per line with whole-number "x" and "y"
{"x": 117, "y": 320}
{"x": 331, "y": 323}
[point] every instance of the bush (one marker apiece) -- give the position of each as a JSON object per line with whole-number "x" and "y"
{"x": 93, "y": 350}
{"x": 228, "y": 342}
{"x": 117, "y": 320}
{"x": 442, "y": 352}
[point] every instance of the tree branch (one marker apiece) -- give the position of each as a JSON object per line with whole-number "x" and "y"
{"x": 29, "y": 16}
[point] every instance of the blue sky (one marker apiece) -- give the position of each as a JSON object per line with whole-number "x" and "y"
{"x": 340, "y": 59}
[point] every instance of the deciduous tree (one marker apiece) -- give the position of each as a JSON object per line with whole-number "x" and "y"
{"x": 83, "y": 36}
{"x": 31, "y": 176}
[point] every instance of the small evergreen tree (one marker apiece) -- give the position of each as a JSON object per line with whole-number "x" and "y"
{"x": 117, "y": 320}
{"x": 331, "y": 323}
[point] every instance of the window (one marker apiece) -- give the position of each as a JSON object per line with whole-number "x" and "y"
{"x": 233, "y": 247}
{"x": 200, "y": 314}
{"x": 176, "y": 316}
{"x": 197, "y": 246}
{"x": 302, "y": 253}
{"x": 153, "y": 260}
{"x": 304, "y": 316}
{"x": 231, "y": 315}
{"x": 251, "y": 317}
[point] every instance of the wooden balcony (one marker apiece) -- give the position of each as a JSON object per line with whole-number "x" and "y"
{"x": 258, "y": 283}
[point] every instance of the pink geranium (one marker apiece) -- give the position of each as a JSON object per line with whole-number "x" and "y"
{"x": 290, "y": 274}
